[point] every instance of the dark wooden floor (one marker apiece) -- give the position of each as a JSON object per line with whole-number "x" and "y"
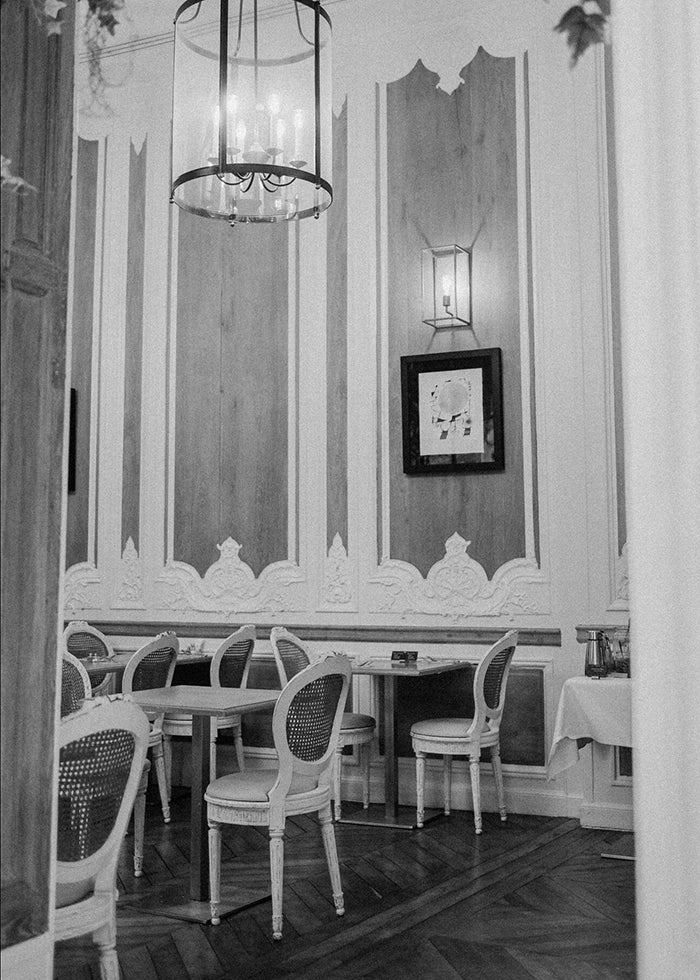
{"x": 529, "y": 899}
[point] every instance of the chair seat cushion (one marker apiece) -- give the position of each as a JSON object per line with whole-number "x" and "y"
{"x": 352, "y": 720}
{"x": 443, "y": 728}
{"x": 253, "y": 786}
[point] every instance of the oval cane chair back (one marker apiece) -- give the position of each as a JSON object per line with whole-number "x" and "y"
{"x": 306, "y": 720}
{"x": 152, "y": 666}
{"x": 102, "y": 749}
{"x": 289, "y": 652}
{"x": 75, "y": 684}
{"x": 490, "y": 681}
{"x": 230, "y": 665}
{"x": 87, "y": 643}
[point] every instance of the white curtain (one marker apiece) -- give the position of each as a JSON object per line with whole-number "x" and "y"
{"x": 656, "y": 58}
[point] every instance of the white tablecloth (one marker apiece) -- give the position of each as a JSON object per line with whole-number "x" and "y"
{"x": 590, "y": 709}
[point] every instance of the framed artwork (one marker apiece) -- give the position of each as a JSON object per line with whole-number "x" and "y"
{"x": 452, "y": 412}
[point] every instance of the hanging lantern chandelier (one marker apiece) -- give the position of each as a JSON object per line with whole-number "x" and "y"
{"x": 252, "y": 117}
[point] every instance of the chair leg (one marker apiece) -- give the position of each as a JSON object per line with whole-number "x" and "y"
{"x": 106, "y": 940}
{"x": 212, "y": 751}
{"x": 168, "y": 759}
{"x": 447, "y": 782}
{"x": 159, "y": 762}
{"x": 420, "y": 788}
{"x": 337, "y": 772}
{"x": 328, "y": 835}
{"x": 476, "y": 791}
{"x": 498, "y": 779}
{"x": 238, "y": 743}
{"x": 276, "y": 878}
{"x": 214, "y": 871}
{"x": 140, "y": 822}
{"x": 365, "y": 751}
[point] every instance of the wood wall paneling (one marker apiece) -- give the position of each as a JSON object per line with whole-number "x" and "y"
{"x": 452, "y": 179}
{"x": 232, "y": 400}
{"x": 198, "y": 388}
{"x": 81, "y": 345}
{"x": 37, "y": 88}
{"x": 131, "y": 459}
{"x": 254, "y": 394}
{"x": 336, "y": 350}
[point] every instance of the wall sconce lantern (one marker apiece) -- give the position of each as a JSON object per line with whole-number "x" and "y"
{"x": 447, "y": 286}
{"x": 252, "y": 116}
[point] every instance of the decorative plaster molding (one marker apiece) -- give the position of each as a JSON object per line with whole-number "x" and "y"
{"x": 130, "y": 592}
{"x": 337, "y": 580}
{"x": 621, "y": 599}
{"x": 82, "y": 588}
{"x": 229, "y": 586}
{"x": 458, "y": 587}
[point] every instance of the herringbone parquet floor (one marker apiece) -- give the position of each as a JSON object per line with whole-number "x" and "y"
{"x": 531, "y": 900}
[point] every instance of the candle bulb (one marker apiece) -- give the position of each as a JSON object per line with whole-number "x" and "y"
{"x": 279, "y": 141}
{"x": 240, "y": 135}
{"x": 232, "y": 106}
{"x": 446, "y": 290}
{"x": 274, "y": 107}
{"x": 298, "y": 125}
{"x": 215, "y": 133}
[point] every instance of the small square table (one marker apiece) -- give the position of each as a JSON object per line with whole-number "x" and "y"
{"x": 204, "y": 703}
{"x": 388, "y": 670}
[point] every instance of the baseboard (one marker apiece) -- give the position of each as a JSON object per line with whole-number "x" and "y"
{"x": 606, "y": 816}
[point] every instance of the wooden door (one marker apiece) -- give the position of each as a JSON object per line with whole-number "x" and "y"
{"x": 37, "y": 95}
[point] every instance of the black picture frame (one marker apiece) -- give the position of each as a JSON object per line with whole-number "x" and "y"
{"x": 72, "y": 439}
{"x": 453, "y": 400}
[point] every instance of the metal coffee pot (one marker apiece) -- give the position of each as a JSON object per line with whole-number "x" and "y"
{"x": 599, "y": 657}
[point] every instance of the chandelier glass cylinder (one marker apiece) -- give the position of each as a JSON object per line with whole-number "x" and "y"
{"x": 252, "y": 115}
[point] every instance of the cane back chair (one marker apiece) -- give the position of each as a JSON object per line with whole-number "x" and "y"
{"x": 230, "y": 667}
{"x": 468, "y": 736}
{"x": 153, "y": 665}
{"x": 102, "y": 750}
{"x": 357, "y": 729}
{"x": 87, "y": 643}
{"x": 305, "y": 728}
{"x": 75, "y": 684}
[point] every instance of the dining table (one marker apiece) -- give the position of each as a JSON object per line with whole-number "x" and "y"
{"x": 387, "y": 672}
{"x": 592, "y": 709}
{"x": 188, "y": 900}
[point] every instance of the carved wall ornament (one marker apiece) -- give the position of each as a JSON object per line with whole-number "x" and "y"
{"x": 458, "y": 587}
{"x": 82, "y": 589}
{"x": 337, "y": 578}
{"x": 130, "y": 592}
{"x": 229, "y": 586}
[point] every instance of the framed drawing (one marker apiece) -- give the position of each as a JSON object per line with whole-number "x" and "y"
{"x": 453, "y": 412}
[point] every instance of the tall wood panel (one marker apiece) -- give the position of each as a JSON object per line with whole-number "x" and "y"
{"x": 82, "y": 344}
{"x": 131, "y": 459}
{"x": 336, "y": 332}
{"x": 452, "y": 178}
{"x": 231, "y": 395}
{"x": 37, "y": 89}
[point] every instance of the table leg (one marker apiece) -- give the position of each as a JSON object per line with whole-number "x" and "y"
{"x": 391, "y": 816}
{"x": 391, "y": 763}
{"x": 199, "y": 856}
{"x": 187, "y": 899}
